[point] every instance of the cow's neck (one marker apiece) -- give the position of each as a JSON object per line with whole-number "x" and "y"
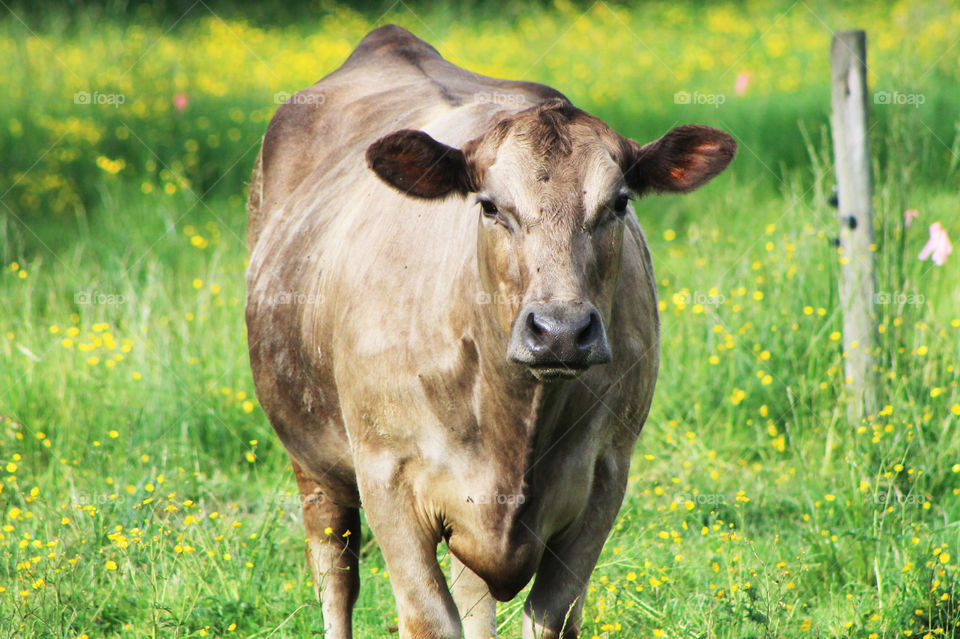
{"x": 517, "y": 413}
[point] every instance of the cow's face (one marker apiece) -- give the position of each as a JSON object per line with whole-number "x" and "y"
{"x": 552, "y": 186}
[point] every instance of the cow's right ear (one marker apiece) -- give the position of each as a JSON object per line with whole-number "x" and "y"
{"x": 684, "y": 159}
{"x": 414, "y": 163}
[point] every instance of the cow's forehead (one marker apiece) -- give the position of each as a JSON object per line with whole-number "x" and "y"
{"x": 526, "y": 177}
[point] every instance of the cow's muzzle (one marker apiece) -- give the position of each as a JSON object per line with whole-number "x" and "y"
{"x": 558, "y": 339}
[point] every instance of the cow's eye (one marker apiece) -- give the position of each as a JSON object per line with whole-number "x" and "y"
{"x": 489, "y": 208}
{"x": 620, "y": 204}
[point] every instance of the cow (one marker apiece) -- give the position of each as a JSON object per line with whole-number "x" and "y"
{"x": 452, "y": 322}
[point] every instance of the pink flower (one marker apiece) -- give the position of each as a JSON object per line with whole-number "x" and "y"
{"x": 938, "y": 246}
{"x": 910, "y": 215}
{"x": 180, "y": 101}
{"x": 743, "y": 80}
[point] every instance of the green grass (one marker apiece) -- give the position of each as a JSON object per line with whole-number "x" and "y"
{"x": 754, "y": 508}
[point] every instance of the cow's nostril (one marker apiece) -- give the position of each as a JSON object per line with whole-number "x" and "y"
{"x": 535, "y": 328}
{"x": 589, "y": 333}
{"x": 536, "y": 334}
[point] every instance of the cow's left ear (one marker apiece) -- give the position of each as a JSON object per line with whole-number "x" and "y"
{"x": 684, "y": 159}
{"x": 414, "y": 163}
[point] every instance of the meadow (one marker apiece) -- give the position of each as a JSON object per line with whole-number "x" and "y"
{"x": 142, "y": 491}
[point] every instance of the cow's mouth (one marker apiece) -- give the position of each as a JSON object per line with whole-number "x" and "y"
{"x": 555, "y": 372}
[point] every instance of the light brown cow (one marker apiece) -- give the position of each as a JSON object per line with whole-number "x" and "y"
{"x": 452, "y": 321}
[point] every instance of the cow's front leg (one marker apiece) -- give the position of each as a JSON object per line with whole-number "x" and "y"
{"x": 554, "y": 607}
{"x": 478, "y": 609}
{"x": 333, "y": 552}
{"x": 424, "y": 605}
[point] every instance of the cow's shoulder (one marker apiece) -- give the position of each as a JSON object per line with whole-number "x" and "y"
{"x": 318, "y": 124}
{"x": 391, "y": 46}
{"x": 392, "y": 80}
{"x": 287, "y": 155}
{"x": 391, "y": 41}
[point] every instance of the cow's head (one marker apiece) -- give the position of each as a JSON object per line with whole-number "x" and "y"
{"x": 553, "y": 186}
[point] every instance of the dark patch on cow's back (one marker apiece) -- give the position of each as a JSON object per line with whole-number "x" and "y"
{"x": 414, "y": 57}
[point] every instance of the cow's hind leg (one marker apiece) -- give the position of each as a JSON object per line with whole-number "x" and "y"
{"x": 333, "y": 552}
{"x": 478, "y": 609}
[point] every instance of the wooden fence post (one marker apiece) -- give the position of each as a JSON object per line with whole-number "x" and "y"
{"x": 851, "y": 152}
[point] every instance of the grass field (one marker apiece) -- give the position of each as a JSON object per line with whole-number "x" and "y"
{"x": 142, "y": 492}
